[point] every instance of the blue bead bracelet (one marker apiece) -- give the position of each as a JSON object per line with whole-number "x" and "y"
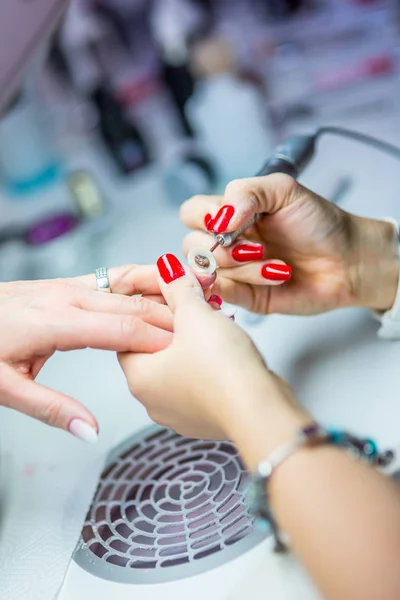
{"x": 308, "y": 436}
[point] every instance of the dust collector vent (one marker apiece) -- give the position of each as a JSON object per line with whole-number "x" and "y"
{"x": 166, "y": 507}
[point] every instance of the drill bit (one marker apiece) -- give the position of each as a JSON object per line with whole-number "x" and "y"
{"x": 215, "y": 246}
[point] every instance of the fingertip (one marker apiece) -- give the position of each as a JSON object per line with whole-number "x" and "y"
{"x": 77, "y": 420}
{"x": 170, "y": 268}
{"x": 208, "y": 221}
{"x": 266, "y": 194}
{"x": 245, "y": 252}
{"x": 83, "y": 430}
{"x": 215, "y": 299}
{"x": 276, "y": 272}
{"x": 179, "y": 284}
{"x": 240, "y": 195}
{"x": 191, "y": 210}
{"x": 206, "y": 280}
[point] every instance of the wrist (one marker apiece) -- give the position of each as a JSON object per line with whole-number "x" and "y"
{"x": 262, "y": 418}
{"x": 375, "y": 271}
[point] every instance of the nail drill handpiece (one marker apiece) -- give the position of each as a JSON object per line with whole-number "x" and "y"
{"x": 289, "y": 158}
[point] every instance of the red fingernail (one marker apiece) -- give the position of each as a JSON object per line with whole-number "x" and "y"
{"x": 216, "y": 299}
{"x": 170, "y": 268}
{"x": 275, "y": 272}
{"x": 248, "y": 252}
{"x": 223, "y": 218}
{"x": 208, "y": 222}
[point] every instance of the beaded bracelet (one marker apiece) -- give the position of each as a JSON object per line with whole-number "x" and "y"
{"x": 310, "y": 436}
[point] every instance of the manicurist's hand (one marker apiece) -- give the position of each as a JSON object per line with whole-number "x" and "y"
{"x": 211, "y": 372}
{"x": 306, "y": 256}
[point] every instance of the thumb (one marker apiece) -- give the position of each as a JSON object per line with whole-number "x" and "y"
{"x": 179, "y": 286}
{"x": 268, "y": 194}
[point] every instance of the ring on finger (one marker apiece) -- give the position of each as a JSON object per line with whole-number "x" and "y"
{"x": 102, "y": 281}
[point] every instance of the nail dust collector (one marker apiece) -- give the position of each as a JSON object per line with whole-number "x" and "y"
{"x": 169, "y": 518}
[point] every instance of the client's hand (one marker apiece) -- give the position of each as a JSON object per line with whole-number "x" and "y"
{"x": 39, "y": 317}
{"x": 210, "y": 373}
{"x": 338, "y": 259}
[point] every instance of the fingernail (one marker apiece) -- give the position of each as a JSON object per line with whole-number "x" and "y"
{"x": 216, "y": 299}
{"x": 275, "y": 272}
{"x": 248, "y": 252}
{"x": 170, "y": 268}
{"x": 223, "y": 218}
{"x": 83, "y": 431}
{"x": 208, "y": 222}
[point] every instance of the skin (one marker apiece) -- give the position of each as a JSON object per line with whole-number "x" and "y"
{"x": 345, "y": 524}
{"x": 338, "y": 259}
{"x": 38, "y": 318}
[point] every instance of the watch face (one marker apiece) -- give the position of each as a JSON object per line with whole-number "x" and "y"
{"x": 25, "y": 25}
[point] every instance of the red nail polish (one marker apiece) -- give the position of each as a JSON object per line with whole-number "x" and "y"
{"x": 275, "y": 272}
{"x": 248, "y": 252}
{"x": 170, "y": 268}
{"x": 208, "y": 222}
{"x": 216, "y": 299}
{"x": 223, "y": 218}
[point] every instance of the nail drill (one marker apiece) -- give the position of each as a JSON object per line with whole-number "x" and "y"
{"x": 290, "y": 158}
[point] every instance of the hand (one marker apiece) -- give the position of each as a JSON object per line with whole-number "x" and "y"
{"x": 211, "y": 372}
{"x": 338, "y": 259}
{"x": 39, "y": 317}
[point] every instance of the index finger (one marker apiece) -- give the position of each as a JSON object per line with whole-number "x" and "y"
{"x": 247, "y": 197}
{"x": 194, "y": 211}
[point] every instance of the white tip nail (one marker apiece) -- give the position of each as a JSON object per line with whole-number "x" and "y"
{"x": 83, "y": 431}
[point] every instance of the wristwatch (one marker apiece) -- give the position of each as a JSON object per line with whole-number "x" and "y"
{"x": 390, "y": 320}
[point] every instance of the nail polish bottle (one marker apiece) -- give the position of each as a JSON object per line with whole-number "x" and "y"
{"x": 58, "y": 246}
{"x": 94, "y": 209}
{"x": 28, "y": 159}
{"x": 51, "y": 228}
{"x": 87, "y": 196}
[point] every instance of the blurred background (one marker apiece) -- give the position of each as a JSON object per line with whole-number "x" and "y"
{"x": 140, "y": 104}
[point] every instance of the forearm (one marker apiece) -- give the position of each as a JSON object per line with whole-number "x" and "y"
{"x": 342, "y": 517}
{"x": 344, "y": 523}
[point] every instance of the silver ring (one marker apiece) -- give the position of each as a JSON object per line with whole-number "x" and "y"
{"x": 102, "y": 281}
